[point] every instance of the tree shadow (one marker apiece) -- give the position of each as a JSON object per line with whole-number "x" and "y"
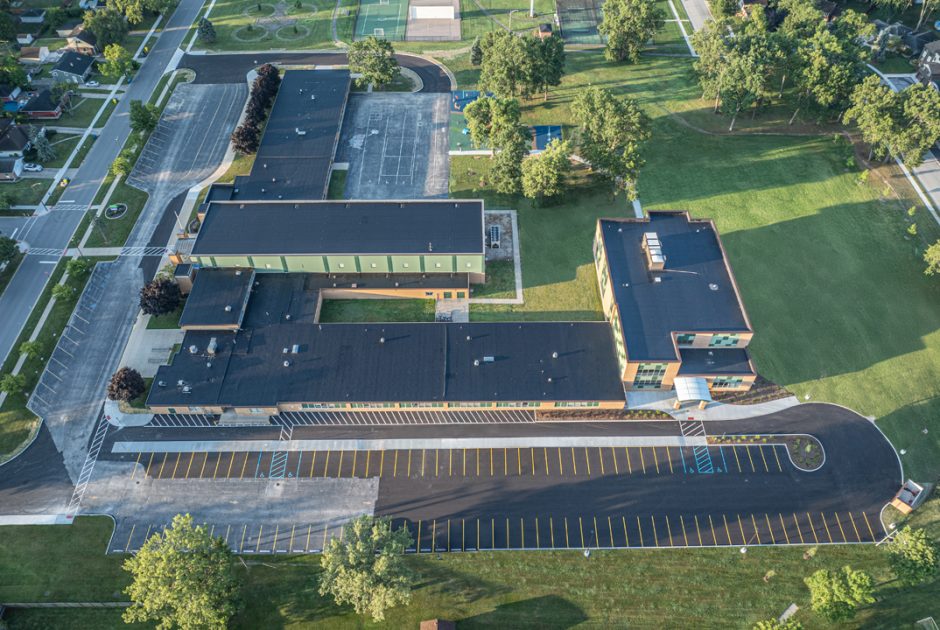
{"x": 538, "y": 612}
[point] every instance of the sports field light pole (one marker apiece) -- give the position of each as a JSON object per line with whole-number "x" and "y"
{"x": 531, "y": 8}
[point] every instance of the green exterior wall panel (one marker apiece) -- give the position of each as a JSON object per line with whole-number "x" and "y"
{"x": 342, "y": 264}
{"x": 439, "y": 264}
{"x": 308, "y": 264}
{"x": 470, "y": 264}
{"x": 231, "y": 261}
{"x": 380, "y": 263}
{"x": 406, "y": 264}
{"x": 268, "y": 263}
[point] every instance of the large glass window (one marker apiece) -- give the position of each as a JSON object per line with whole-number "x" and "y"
{"x": 649, "y": 376}
{"x": 323, "y": 405}
{"x": 685, "y": 339}
{"x": 723, "y": 341}
{"x": 577, "y": 403}
{"x": 727, "y": 382}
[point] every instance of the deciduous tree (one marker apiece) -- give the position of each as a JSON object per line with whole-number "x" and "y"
{"x": 133, "y": 10}
{"x": 123, "y": 163}
{"x": 773, "y": 624}
{"x": 492, "y": 121}
{"x": 45, "y": 152}
{"x": 932, "y": 259}
{"x": 920, "y": 113}
{"x": 183, "y": 578}
{"x": 612, "y": 131}
{"x": 126, "y": 384}
{"x": 160, "y": 296}
{"x": 118, "y": 62}
{"x": 544, "y": 175}
{"x": 915, "y": 558}
{"x": 107, "y": 25}
{"x": 245, "y": 139}
{"x": 374, "y": 59}
{"x": 723, "y": 8}
{"x": 31, "y": 348}
{"x": 504, "y": 67}
{"x": 364, "y": 568}
{"x": 144, "y": 117}
{"x": 628, "y": 25}
{"x": 78, "y": 267}
{"x": 8, "y": 249}
{"x": 545, "y": 63}
{"x": 62, "y": 292}
{"x": 13, "y": 384}
{"x": 837, "y": 594}
{"x": 507, "y": 164}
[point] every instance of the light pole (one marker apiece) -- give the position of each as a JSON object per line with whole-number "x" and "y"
{"x": 531, "y": 8}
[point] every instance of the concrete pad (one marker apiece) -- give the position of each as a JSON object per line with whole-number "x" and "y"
{"x": 148, "y": 349}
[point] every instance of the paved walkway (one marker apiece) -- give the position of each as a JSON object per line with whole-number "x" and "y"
{"x": 148, "y": 349}
{"x": 663, "y": 401}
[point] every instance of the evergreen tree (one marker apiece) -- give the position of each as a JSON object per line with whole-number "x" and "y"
{"x": 206, "y": 31}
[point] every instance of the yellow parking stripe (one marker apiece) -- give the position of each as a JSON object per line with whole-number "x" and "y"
{"x": 626, "y": 450}
{"x": 698, "y": 531}
{"x": 230, "y": 462}
{"x": 381, "y": 463}
{"x": 368, "y": 460}
{"x": 326, "y": 464}
{"x": 323, "y": 545}
{"x": 655, "y": 535}
{"x": 423, "y": 460}
{"x": 507, "y": 533}
{"x": 418, "y": 539}
{"x": 450, "y": 463}
{"x": 491, "y": 462}
{"x": 799, "y": 529}
{"x": 274, "y": 546}
{"x": 178, "y": 456}
{"x": 290, "y": 543}
{"x": 748, "y": 449}
{"x": 613, "y": 454}
{"x": 258, "y": 540}
{"x": 339, "y": 469}
{"x": 756, "y": 533}
{"x": 538, "y": 544}
{"x": 669, "y": 458}
{"x": 735, "y": 451}
{"x": 150, "y": 463}
{"x": 597, "y": 534}
{"x": 581, "y": 527}
{"x": 352, "y": 471}
{"x": 760, "y": 447}
{"x": 813, "y": 527}
{"x": 433, "y": 535}
{"x": 779, "y": 467}
{"x": 642, "y": 462}
{"x": 395, "y": 468}
{"x": 519, "y": 460}
{"x": 242, "y": 544}
{"x": 478, "y": 535}
{"x": 587, "y": 462}
{"x": 545, "y": 456}
{"x": 574, "y": 464}
{"x": 134, "y": 472}
{"x": 464, "y": 455}
{"x": 839, "y": 522}
{"x": 313, "y": 462}
{"x": 214, "y": 472}
{"x": 684, "y": 537}
{"x": 640, "y": 528}
{"x": 669, "y": 530}
{"x": 655, "y": 459}
{"x": 727, "y": 530}
{"x": 561, "y": 468}
{"x": 784, "y": 526}
{"x": 551, "y": 530}
{"x": 190, "y": 465}
{"x": 600, "y": 456}
{"x": 160, "y": 474}
{"x": 309, "y": 530}
{"x": 773, "y": 538}
{"x": 610, "y": 528}
{"x": 505, "y": 462}
{"x": 532, "y": 456}
{"x": 566, "y": 533}
{"x": 870, "y": 530}
{"x": 741, "y": 527}
{"x": 823, "y": 516}
{"x": 129, "y": 536}
{"x": 626, "y": 536}
{"x": 409, "y": 462}
{"x": 851, "y": 518}
{"x": 711, "y": 525}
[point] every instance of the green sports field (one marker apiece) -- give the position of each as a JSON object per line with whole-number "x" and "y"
{"x": 382, "y": 18}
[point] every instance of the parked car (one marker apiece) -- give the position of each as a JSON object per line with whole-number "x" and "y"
{"x": 32, "y": 168}
{"x": 92, "y": 84}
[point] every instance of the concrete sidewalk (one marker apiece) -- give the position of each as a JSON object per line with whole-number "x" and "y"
{"x": 663, "y": 401}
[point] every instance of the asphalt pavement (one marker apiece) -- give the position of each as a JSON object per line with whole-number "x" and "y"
{"x": 17, "y": 301}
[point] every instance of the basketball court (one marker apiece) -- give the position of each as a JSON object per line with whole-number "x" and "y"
{"x": 384, "y": 19}
{"x": 579, "y": 20}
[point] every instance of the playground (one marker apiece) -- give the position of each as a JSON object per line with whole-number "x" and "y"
{"x": 459, "y": 133}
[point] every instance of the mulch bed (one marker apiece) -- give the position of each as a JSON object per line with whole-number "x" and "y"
{"x": 762, "y": 391}
{"x": 603, "y": 414}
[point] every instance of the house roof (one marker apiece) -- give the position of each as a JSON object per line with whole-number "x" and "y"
{"x": 218, "y": 298}
{"x": 41, "y": 102}
{"x": 84, "y": 35}
{"x": 695, "y": 292}
{"x": 7, "y": 165}
{"x": 7, "y": 90}
{"x": 341, "y": 227}
{"x": 13, "y": 137}
{"x": 70, "y": 25}
{"x": 74, "y": 63}
{"x": 33, "y": 13}
{"x": 290, "y": 165}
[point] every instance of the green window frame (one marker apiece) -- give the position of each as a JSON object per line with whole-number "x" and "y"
{"x": 685, "y": 339}
{"x": 727, "y": 382}
{"x": 723, "y": 341}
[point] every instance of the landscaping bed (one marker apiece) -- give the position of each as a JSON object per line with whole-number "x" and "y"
{"x": 805, "y": 450}
{"x": 602, "y": 414}
{"x": 762, "y": 391}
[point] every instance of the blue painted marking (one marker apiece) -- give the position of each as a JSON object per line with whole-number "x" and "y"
{"x": 299, "y": 459}
{"x": 258, "y": 467}
{"x": 724, "y": 464}
{"x": 682, "y": 455}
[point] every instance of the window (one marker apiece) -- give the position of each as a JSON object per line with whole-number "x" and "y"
{"x": 323, "y": 405}
{"x": 461, "y": 294}
{"x": 524, "y": 403}
{"x": 429, "y": 294}
{"x": 727, "y": 382}
{"x": 723, "y": 341}
{"x": 371, "y": 405}
{"x": 448, "y": 295}
{"x": 685, "y": 339}
{"x": 457, "y": 405}
{"x": 577, "y": 403}
{"x": 419, "y": 404}
{"x": 649, "y": 376}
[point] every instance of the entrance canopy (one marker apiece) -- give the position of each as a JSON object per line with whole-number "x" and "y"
{"x": 692, "y": 389}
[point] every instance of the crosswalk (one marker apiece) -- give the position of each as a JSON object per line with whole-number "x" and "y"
{"x": 143, "y": 251}
{"x": 45, "y": 251}
{"x": 703, "y": 458}
{"x": 372, "y": 418}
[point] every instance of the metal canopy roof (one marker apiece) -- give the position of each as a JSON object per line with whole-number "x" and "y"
{"x": 692, "y": 388}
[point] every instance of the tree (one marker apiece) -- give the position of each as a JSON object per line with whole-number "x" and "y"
{"x": 915, "y": 558}
{"x": 723, "y": 8}
{"x": 182, "y": 577}
{"x": 31, "y": 348}
{"x": 612, "y": 131}
{"x": 160, "y": 296}
{"x": 159, "y": 6}
{"x": 507, "y": 164}
{"x": 374, "y": 59}
{"x": 62, "y": 292}
{"x": 206, "y": 31}
{"x": 628, "y": 25}
{"x": 118, "y": 62}
{"x": 8, "y": 27}
{"x": 126, "y": 384}
{"x": 107, "y": 25}
{"x": 123, "y": 163}
{"x": 45, "y": 152}
{"x": 544, "y": 176}
{"x": 12, "y": 73}
{"x": 364, "y": 567}
{"x": 893, "y": 6}
{"x": 837, "y": 594}
{"x": 62, "y": 93}
{"x": 545, "y": 63}
{"x": 8, "y": 249}
{"x": 875, "y": 110}
{"x": 132, "y": 10}
{"x": 476, "y": 52}
{"x": 491, "y": 121}
{"x": 927, "y": 7}
{"x": 144, "y": 117}
{"x": 78, "y": 267}
{"x": 245, "y": 138}
{"x": 932, "y": 258}
{"x": 920, "y": 115}
{"x": 13, "y": 384}
{"x": 505, "y": 64}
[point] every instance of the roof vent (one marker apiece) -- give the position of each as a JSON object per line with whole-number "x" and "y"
{"x": 381, "y": 339}
{"x": 476, "y": 362}
{"x": 212, "y": 347}
{"x": 193, "y": 349}
{"x": 208, "y": 364}
{"x": 489, "y": 359}
{"x": 300, "y": 132}
{"x": 286, "y": 363}
{"x": 238, "y": 272}
{"x": 549, "y": 379}
{"x": 285, "y": 350}
{"x": 161, "y": 383}
{"x": 187, "y": 389}
{"x": 554, "y": 355}
{"x": 228, "y": 308}
{"x": 468, "y": 337}
{"x": 657, "y": 279}
{"x": 712, "y": 286}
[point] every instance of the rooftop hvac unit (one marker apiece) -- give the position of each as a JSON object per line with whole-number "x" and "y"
{"x": 212, "y": 347}
{"x": 655, "y": 259}
{"x": 294, "y": 349}
{"x": 494, "y": 237}
{"x": 489, "y": 359}
{"x": 300, "y": 132}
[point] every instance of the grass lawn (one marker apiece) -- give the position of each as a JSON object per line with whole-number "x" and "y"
{"x": 16, "y": 422}
{"x": 500, "y": 281}
{"x": 26, "y": 192}
{"x": 832, "y": 282}
{"x": 895, "y": 64}
{"x": 474, "y": 22}
{"x": 63, "y": 145}
{"x": 84, "y": 111}
{"x": 334, "y": 311}
{"x": 690, "y": 588}
{"x": 114, "y": 232}
{"x": 166, "y": 322}
{"x": 239, "y": 25}
{"x": 337, "y": 184}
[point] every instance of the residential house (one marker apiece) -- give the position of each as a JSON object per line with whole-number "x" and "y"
{"x": 928, "y": 65}
{"x": 9, "y": 93}
{"x": 83, "y": 41}
{"x": 68, "y": 28}
{"x": 34, "y": 56}
{"x": 14, "y": 139}
{"x": 73, "y": 68}
{"x": 33, "y": 16}
{"x": 92, "y": 5}
{"x": 43, "y": 106}
{"x": 10, "y": 169}
{"x": 25, "y": 39}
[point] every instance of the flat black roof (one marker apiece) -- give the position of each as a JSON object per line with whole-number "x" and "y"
{"x": 707, "y": 361}
{"x": 341, "y": 227}
{"x": 299, "y": 141}
{"x": 431, "y": 362}
{"x": 695, "y": 292}
{"x": 218, "y": 298}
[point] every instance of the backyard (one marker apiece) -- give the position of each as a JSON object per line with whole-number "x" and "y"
{"x": 696, "y": 588}
{"x": 832, "y": 280}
